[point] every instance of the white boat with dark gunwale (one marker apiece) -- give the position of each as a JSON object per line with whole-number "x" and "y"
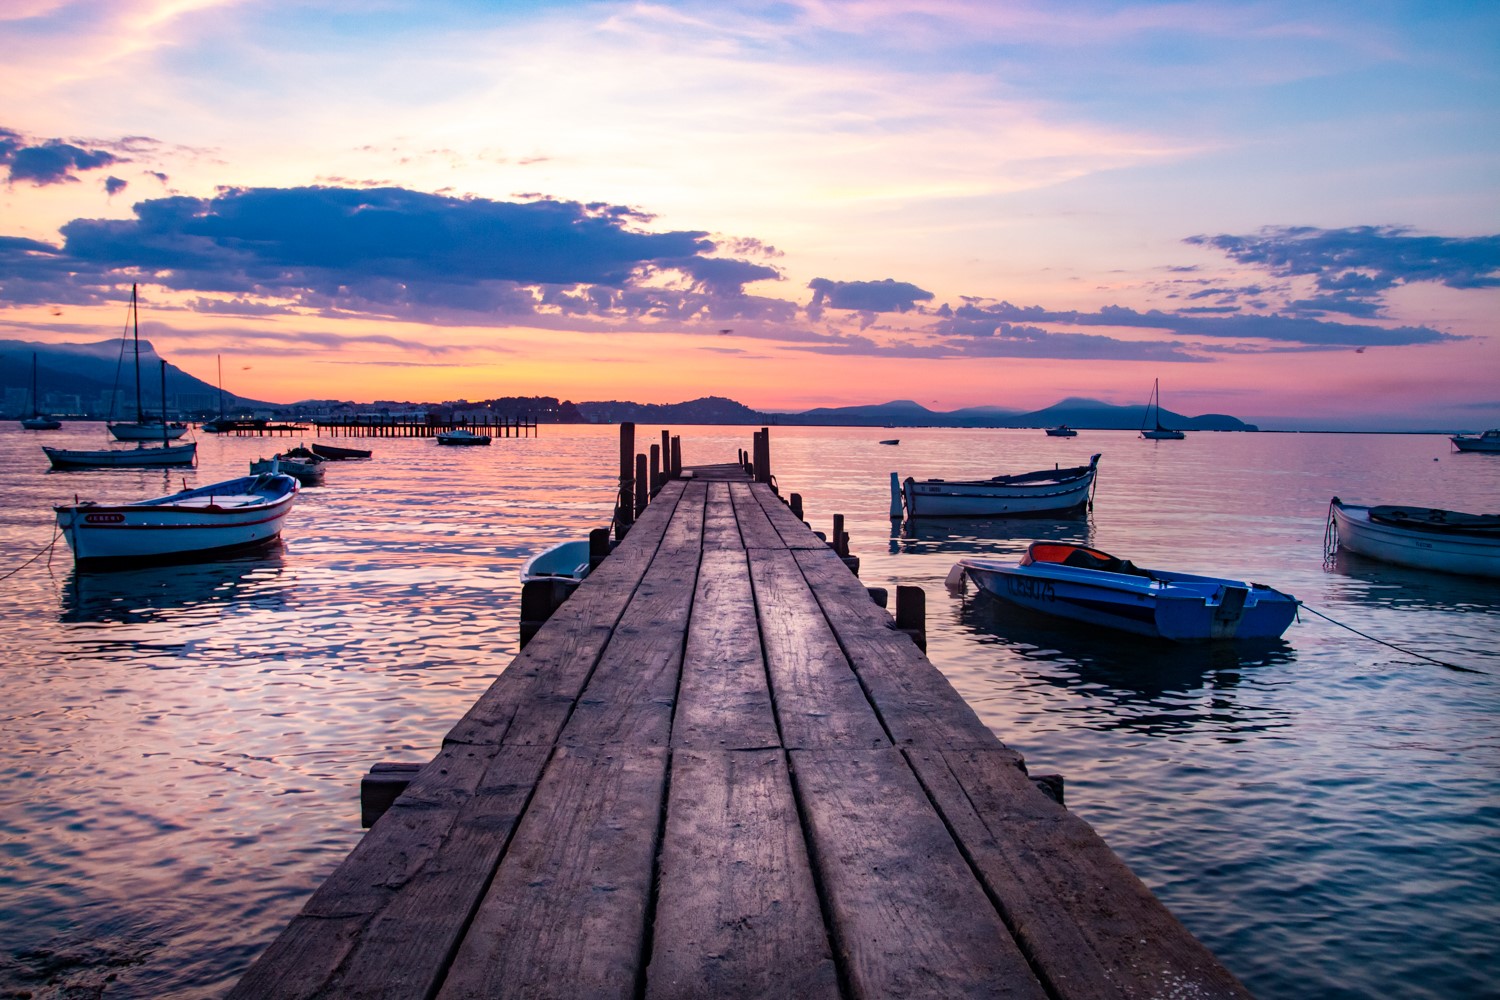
{"x": 193, "y": 524}
{"x": 565, "y": 562}
{"x": 1153, "y": 416}
{"x": 462, "y": 437}
{"x": 1061, "y": 431}
{"x": 1086, "y": 585}
{"x": 1488, "y": 441}
{"x": 1048, "y": 493}
{"x": 1445, "y": 541}
{"x": 142, "y": 456}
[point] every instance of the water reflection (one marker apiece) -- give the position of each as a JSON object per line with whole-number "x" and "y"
{"x": 1115, "y": 681}
{"x": 988, "y": 537}
{"x": 1386, "y": 585}
{"x": 146, "y": 594}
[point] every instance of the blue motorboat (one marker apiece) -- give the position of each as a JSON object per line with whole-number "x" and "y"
{"x": 1084, "y": 584}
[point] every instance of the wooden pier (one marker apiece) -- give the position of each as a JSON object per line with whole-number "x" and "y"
{"x": 496, "y": 427}
{"x": 718, "y": 771}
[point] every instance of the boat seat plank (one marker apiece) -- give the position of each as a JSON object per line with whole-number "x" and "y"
{"x": 722, "y": 932}
{"x": 819, "y": 701}
{"x": 915, "y": 701}
{"x": 724, "y": 701}
{"x": 910, "y": 919}
{"x": 531, "y": 700}
{"x": 632, "y": 693}
{"x": 1047, "y": 869}
{"x": 566, "y": 914}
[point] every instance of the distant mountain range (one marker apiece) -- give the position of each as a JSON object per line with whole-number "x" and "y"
{"x": 92, "y": 373}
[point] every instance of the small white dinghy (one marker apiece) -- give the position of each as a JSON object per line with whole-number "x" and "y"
{"x": 194, "y": 524}
{"x": 1446, "y": 541}
{"x": 1084, "y": 584}
{"x": 566, "y": 562}
{"x": 462, "y": 437}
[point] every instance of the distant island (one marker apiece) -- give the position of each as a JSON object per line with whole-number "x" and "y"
{"x": 79, "y": 381}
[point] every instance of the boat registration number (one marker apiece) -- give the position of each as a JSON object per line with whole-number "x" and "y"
{"x": 1036, "y": 590}
{"x": 103, "y": 518}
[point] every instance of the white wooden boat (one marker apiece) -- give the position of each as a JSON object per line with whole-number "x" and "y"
{"x": 1151, "y": 428}
{"x": 1429, "y": 538}
{"x": 141, "y": 456}
{"x": 1048, "y": 493}
{"x": 1086, "y": 585}
{"x": 145, "y": 428}
{"x": 1061, "y": 431}
{"x": 193, "y": 524}
{"x": 565, "y": 562}
{"x": 462, "y": 437}
{"x": 1488, "y": 441}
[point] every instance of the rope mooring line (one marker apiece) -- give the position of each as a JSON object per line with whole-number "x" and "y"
{"x": 46, "y": 549}
{"x": 1392, "y": 645}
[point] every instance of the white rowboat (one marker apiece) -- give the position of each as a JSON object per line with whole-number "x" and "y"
{"x": 1428, "y": 538}
{"x": 462, "y": 437}
{"x": 192, "y": 524}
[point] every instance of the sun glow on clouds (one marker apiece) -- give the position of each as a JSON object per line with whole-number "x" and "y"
{"x": 1024, "y": 173}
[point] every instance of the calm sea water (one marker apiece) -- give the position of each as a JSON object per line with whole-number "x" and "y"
{"x": 183, "y": 747}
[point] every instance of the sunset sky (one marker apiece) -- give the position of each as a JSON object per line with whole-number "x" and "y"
{"x": 1288, "y": 211}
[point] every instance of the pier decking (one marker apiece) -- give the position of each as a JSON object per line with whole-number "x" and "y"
{"x": 718, "y": 771}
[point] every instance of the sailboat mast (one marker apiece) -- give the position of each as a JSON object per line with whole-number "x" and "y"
{"x": 135, "y": 316}
{"x": 220, "y": 359}
{"x": 164, "y": 438}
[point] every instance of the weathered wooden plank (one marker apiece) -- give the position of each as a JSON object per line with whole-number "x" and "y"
{"x": 1091, "y": 929}
{"x": 918, "y": 705}
{"x": 909, "y": 918}
{"x": 794, "y": 534}
{"x": 755, "y": 528}
{"x": 737, "y": 916}
{"x": 721, "y": 532}
{"x": 532, "y": 699}
{"x": 565, "y": 915}
{"x": 819, "y": 702}
{"x": 631, "y": 695}
{"x": 724, "y": 701}
{"x": 403, "y": 952}
{"x": 394, "y": 852}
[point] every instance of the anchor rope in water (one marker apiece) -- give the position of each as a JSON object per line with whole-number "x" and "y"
{"x": 45, "y": 550}
{"x": 1392, "y": 645}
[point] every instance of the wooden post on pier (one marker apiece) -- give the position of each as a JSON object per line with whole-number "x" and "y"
{"x": 625, "y": 501}
{"x": 763, "y": 456}
{"x": 598, "y": 547}
{"x": 666, "y": 454}
{"x": 796, "y": 505}
{"x": 656, "y": 479}
{"x": 911, "y": 614}
{"x": 840, "y": 541}
{"x": 642, "y": 485}
{"x": 676, "y": 463}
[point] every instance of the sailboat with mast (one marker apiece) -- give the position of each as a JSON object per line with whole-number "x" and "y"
{"x": 1151, "y": 428}
{"x": 38, "y": 421}
{"x": 142, "y": 455}
{"x": 144, "y": 428}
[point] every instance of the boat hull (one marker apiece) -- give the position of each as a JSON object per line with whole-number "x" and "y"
{"x": 333, "y": 453}
{"x": 1486, "y": 443}
{"x": 194, "y": 524}
{"x": 1430, "y": 550}
{"x": 126, "y": 458}
{"x": 463, "y": 439}
{"x": 1163, "y": 435}
{"x": 1174, "y": 606}
{"x": 147, "y": 432}
{"x": 41, "y": 424}
{"x": 306, "y": 473}
{"x": 1062, "y": 496}
{"x": 566, "y": 562}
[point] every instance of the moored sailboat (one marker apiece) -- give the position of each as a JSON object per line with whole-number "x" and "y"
{"x": 1157, "y": 432}
{"x": 144, "y": 428}
{"x": 142, "y": 455}
{"x": 38, "y": 421}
